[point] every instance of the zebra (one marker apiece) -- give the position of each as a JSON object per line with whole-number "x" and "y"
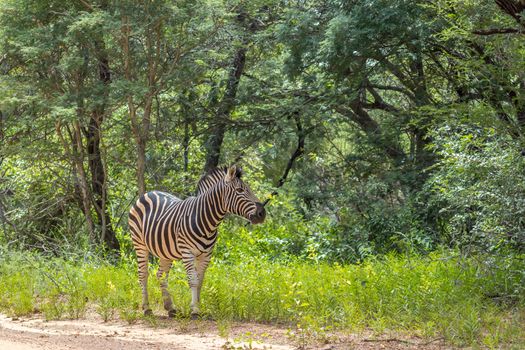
{"x": 174, "y": 229}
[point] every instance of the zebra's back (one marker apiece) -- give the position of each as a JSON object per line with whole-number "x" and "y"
{"x": 152, "y": 221}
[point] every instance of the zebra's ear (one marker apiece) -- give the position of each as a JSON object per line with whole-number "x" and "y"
{"x": 230, "y": 173}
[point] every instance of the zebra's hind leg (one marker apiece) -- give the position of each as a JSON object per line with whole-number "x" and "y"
{"x": 142, "y": 258}
{"x": 188, "y": 261}
{"x": 162, "y": 275}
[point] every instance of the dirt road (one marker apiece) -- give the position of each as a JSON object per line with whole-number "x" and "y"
{"x": 91, "y": 333}
{"x": 37, "y": 334}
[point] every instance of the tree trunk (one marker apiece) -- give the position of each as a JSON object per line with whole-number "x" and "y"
{"x": 132, "y": 110}
{"x": 96, "y": 166}
{"x": 142, "y": 139}
{"x": 141, "y": 166}
{"x": 186, "y": 140}
{"x": 226, "y": 106}
{"x": 78, "y": 162}
{"x": 140, "y": 128}
{"x": 2, "y": 134}
{"x": 424, "y": 158}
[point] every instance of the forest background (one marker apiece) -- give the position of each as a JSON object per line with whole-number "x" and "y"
{"x": 386, "y": 135}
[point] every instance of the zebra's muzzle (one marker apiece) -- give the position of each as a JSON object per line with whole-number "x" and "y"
{"x": 259, "y": 215}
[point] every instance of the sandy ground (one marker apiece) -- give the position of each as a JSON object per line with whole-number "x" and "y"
{"x": 34, "y": 333}
{"x": 37, "y": 334}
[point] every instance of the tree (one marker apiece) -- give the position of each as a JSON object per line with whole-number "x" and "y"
{"x": 70, "y": 65}
{"x": 152, "y": 52}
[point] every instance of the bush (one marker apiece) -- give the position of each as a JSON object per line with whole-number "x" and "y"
{"x": 481, "y": 185}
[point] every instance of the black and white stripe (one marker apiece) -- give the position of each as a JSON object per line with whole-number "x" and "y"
{"x": 213, "y": 176}
{"x": 174, "y": 229}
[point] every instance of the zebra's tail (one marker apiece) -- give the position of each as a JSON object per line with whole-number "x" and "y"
{"x": 135, "y": 223}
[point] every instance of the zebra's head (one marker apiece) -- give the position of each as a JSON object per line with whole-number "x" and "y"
{"x": 239, "y": 198}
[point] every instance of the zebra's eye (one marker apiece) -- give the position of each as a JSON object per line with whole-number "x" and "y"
{"x": 239, "y": 190}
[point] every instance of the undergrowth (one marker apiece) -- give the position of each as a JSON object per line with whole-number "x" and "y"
{"x": 476, "y": 301}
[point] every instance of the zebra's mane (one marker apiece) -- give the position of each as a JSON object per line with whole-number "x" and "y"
{"x": 213, "y": 176}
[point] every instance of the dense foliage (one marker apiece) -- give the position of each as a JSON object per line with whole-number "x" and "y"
{"x": 377, "y": 125}
{"x": 385, "y": 133}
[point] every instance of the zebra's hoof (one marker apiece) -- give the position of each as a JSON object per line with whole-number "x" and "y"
{"x": 172, "y": 313}
{"x": 194, "y": 316}
{"x": 148, "y": 312}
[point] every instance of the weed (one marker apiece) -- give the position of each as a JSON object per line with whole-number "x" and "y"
{"x": 130, "y": 314}
{"x": 17, "y": 293}
{"x": 52, "y": 308}
{"x": 224, "y": 327}
{"x": 152, "y": 320}
{"x": 436, "y": 295}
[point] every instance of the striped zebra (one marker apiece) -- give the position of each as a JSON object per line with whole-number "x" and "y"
{"x": 174, "y": 229}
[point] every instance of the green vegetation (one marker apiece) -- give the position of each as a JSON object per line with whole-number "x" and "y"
{"x": 378, "y": 125}
{"x": 464, "y": 300}
{"x": 388, "y": 135}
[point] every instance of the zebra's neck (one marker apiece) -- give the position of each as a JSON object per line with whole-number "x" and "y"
{"x": 210, "y": 209}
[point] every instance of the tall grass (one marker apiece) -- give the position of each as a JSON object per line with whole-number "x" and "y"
{"x": 468, "y": 302}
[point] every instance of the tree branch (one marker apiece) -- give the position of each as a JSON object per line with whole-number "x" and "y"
{"x": 358, "y": 115}
{"x": 299, "y": 151}
{"x": 512, "y": 8}
{"x": 392, "y": 88}
{"x": 494, "y": 31}
{"x": 86, "y": 5}
{"x": 378, "y": 103}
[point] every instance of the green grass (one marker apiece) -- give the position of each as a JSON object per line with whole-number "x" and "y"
{"x": 477, "y": 302}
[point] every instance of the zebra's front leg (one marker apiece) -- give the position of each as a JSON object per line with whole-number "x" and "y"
{"x": 189, "y": 262}
{"x": 162, "y": 275}
{"x": 202, "y": 264}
